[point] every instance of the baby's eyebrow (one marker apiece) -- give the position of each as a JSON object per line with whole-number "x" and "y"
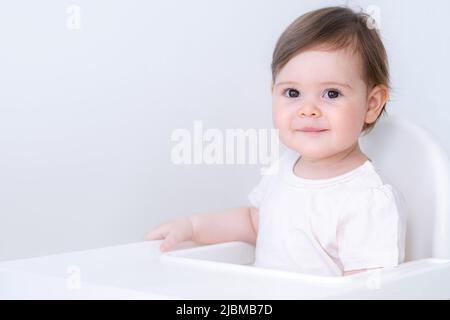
{"x": 342, "y": 84}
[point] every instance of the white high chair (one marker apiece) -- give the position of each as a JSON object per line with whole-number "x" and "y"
{"x": 416, "y": 166}
{"x": 418, "y": 169}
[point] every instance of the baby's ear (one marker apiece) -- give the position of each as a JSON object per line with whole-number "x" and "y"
{"x": 376, "y": 100}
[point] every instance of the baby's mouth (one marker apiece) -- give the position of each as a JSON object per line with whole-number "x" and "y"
{"x": 312, "y": 131}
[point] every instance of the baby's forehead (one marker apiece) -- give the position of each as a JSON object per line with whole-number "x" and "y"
{"x": 323, "y": 65}
{"x": 334, "y": 59}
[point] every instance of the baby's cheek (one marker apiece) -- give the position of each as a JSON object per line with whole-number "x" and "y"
{"x": 279, "y": 119}
{"x": 282, "y": 124}
{"x": 346, "y": 133}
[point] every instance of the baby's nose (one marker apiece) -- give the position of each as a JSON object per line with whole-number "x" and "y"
{"x": 308, "y": 110}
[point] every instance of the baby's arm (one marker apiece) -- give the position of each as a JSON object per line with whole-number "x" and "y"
{"x": 237, "y": 224}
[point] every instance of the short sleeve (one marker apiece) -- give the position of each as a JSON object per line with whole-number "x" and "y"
{"x": 368, "y": 230}
{"x": 259, "y": 192}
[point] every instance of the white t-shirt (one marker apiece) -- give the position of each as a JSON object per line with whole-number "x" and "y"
{"x": 327, "y": 226}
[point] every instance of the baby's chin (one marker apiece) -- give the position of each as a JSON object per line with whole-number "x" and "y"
{"x": 309, "y": 151}
{"x": 312, "y": 154}
{"x": 313, "y": 147}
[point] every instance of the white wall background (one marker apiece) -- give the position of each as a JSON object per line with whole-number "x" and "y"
{"x": 86, "y": 116}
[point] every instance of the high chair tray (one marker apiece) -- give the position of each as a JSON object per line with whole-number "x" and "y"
{"x": 420, "y": 279}
{"x": 221, "y": 271}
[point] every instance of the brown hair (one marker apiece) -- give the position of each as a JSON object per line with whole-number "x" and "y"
{"x": 337, "y": 27}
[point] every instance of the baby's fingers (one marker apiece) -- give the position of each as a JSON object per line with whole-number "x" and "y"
{"x": 158, "y": 233}
{"x": 170, "y": 241}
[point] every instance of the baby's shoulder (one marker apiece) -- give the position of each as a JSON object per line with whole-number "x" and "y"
{"x": 367, "y": 187}
{"x": 368, "y": 178}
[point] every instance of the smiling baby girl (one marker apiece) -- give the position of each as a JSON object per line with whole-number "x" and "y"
{"x": 324, "y": 209}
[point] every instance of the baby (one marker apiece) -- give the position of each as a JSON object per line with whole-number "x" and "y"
{"x": 323, "y": 209}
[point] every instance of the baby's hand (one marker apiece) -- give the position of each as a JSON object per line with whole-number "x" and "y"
{"x": 174, "y": 232}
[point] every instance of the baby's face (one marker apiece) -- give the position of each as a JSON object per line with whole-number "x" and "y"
{"x": 320, "y": 89}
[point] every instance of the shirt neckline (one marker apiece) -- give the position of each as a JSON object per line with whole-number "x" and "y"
{"x": 299, "y": 181}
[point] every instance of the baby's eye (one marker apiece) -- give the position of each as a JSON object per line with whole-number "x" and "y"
{"x": 292, "y": 93}
{"x": 332, "y": 94}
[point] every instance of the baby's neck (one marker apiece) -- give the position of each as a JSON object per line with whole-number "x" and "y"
{"x": 330, "y": 167}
